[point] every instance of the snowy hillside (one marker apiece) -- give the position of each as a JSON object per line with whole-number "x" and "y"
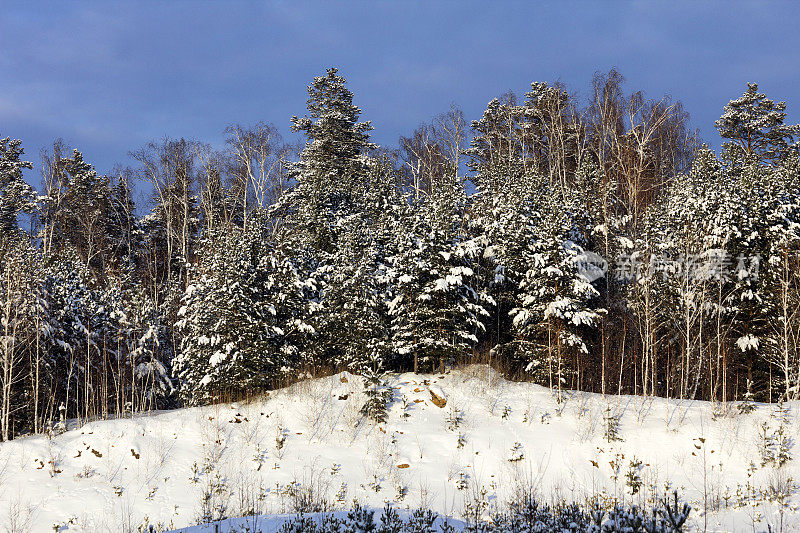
{"x": 450, "y": 442}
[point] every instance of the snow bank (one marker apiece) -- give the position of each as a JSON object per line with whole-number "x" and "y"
{"x": 307, "y": 445}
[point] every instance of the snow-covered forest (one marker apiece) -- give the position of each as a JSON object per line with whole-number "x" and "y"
{"x": 567, "y": 314}
{"x": 582, "y": 244}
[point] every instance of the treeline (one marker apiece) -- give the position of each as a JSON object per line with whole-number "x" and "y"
{"x": 597, "y": 247}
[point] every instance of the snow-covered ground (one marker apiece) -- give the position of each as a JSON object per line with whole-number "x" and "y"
{"x": 449, "y": 440}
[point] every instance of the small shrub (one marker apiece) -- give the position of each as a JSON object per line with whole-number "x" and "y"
{"x": 611, "y": 426}
{"x": 379, "y": 394}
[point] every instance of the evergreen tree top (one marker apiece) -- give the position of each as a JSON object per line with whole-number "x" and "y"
{"x": 755, "y": 124}
{"x": 335, "y": 136}
{"x": 15, "y": 195}
{"x": 10, "y": 164}
{"x": 85, "y": 185}
{"x": 77, "y": 166}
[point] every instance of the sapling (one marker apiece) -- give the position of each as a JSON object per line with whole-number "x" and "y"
{"x": 390, "y": 520}
{"x": 775, "y": 446}
{"x": 195, "y": 474}
{"x": 214, "y": 498}
{"x": 674, "y": 513}
{"x": 259, "y": 457}
{"x": 421, "y": 521}
{"x": 462, "y": 483}
{"x": 378, "y": 393}
{"x": 766, "y": 444}
{"x": 611, "y": 426}
{"x": 782, "y": 438}
{"x": 561, "y": 398}
{"x": 406, "y": 407}
{"x": 516, "y": 453}
{"x": 632, "y": 478}
{"x": 475, "y": 507}
{"x": 375, "y": 484}
{"x": 700, "y": 448}
{"x": 280, "y": 440}
{"x": 401, "y": 491}
{"x": 341, "y": 494}
{"x": 362, "y": 519}
{"x": 616, "y": 467}
{"x": 454, "y": 419}
{"x": 747, "y": 405}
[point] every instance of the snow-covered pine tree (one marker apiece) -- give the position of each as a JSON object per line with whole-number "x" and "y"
{"x": 84, "y": 331}
{"x": 552, "y": 135}
{"x": 533, "y": 210}
{"x": 437, "y": 314}
{"x": 349, "y": 310}
{"x": 85, "y": 213}
{"x": 501, "y": 217}
{"x": 754, "y": 125}
{"x": 676, "y": 231}
{"x": 557, "y": 306}
{"x": 145, "y": 347}
{"x": 719, "y": 227}
{"x": 726, "y": 233}
{"x": 742, "y": 309}
{"x": 123, "y": 229}
{"x": 498, "y": 153}
{"x": 19, "y": 305}
{"x": 761, "y": 159}
{"x": 351, "y": 321}
{"x": 378, "y": 393}
{"x": 509, "y": 224}
{"x": 16, "y": 196}
{"x": 337, "y": 215}
{"x": 332, "y": 167}
{"x": 242, "y": 319}
{"x": 782, "y": 277}
{"x": 537, "y": 235}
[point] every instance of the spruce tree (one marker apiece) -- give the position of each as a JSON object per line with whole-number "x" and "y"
{"x": 242, "y": 319}
{"x": 331, "y": 172}
{"x": 16, "y": 196}
{"x": 437, "y": 314}
{"x": 557, "y": 303}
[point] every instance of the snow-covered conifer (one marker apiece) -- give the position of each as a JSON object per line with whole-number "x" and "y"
{"x": 755, "y": 125}
{"x": 16, "y": 196}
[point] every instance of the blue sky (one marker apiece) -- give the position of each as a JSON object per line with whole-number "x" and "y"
{"x": 110, "y": 76}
